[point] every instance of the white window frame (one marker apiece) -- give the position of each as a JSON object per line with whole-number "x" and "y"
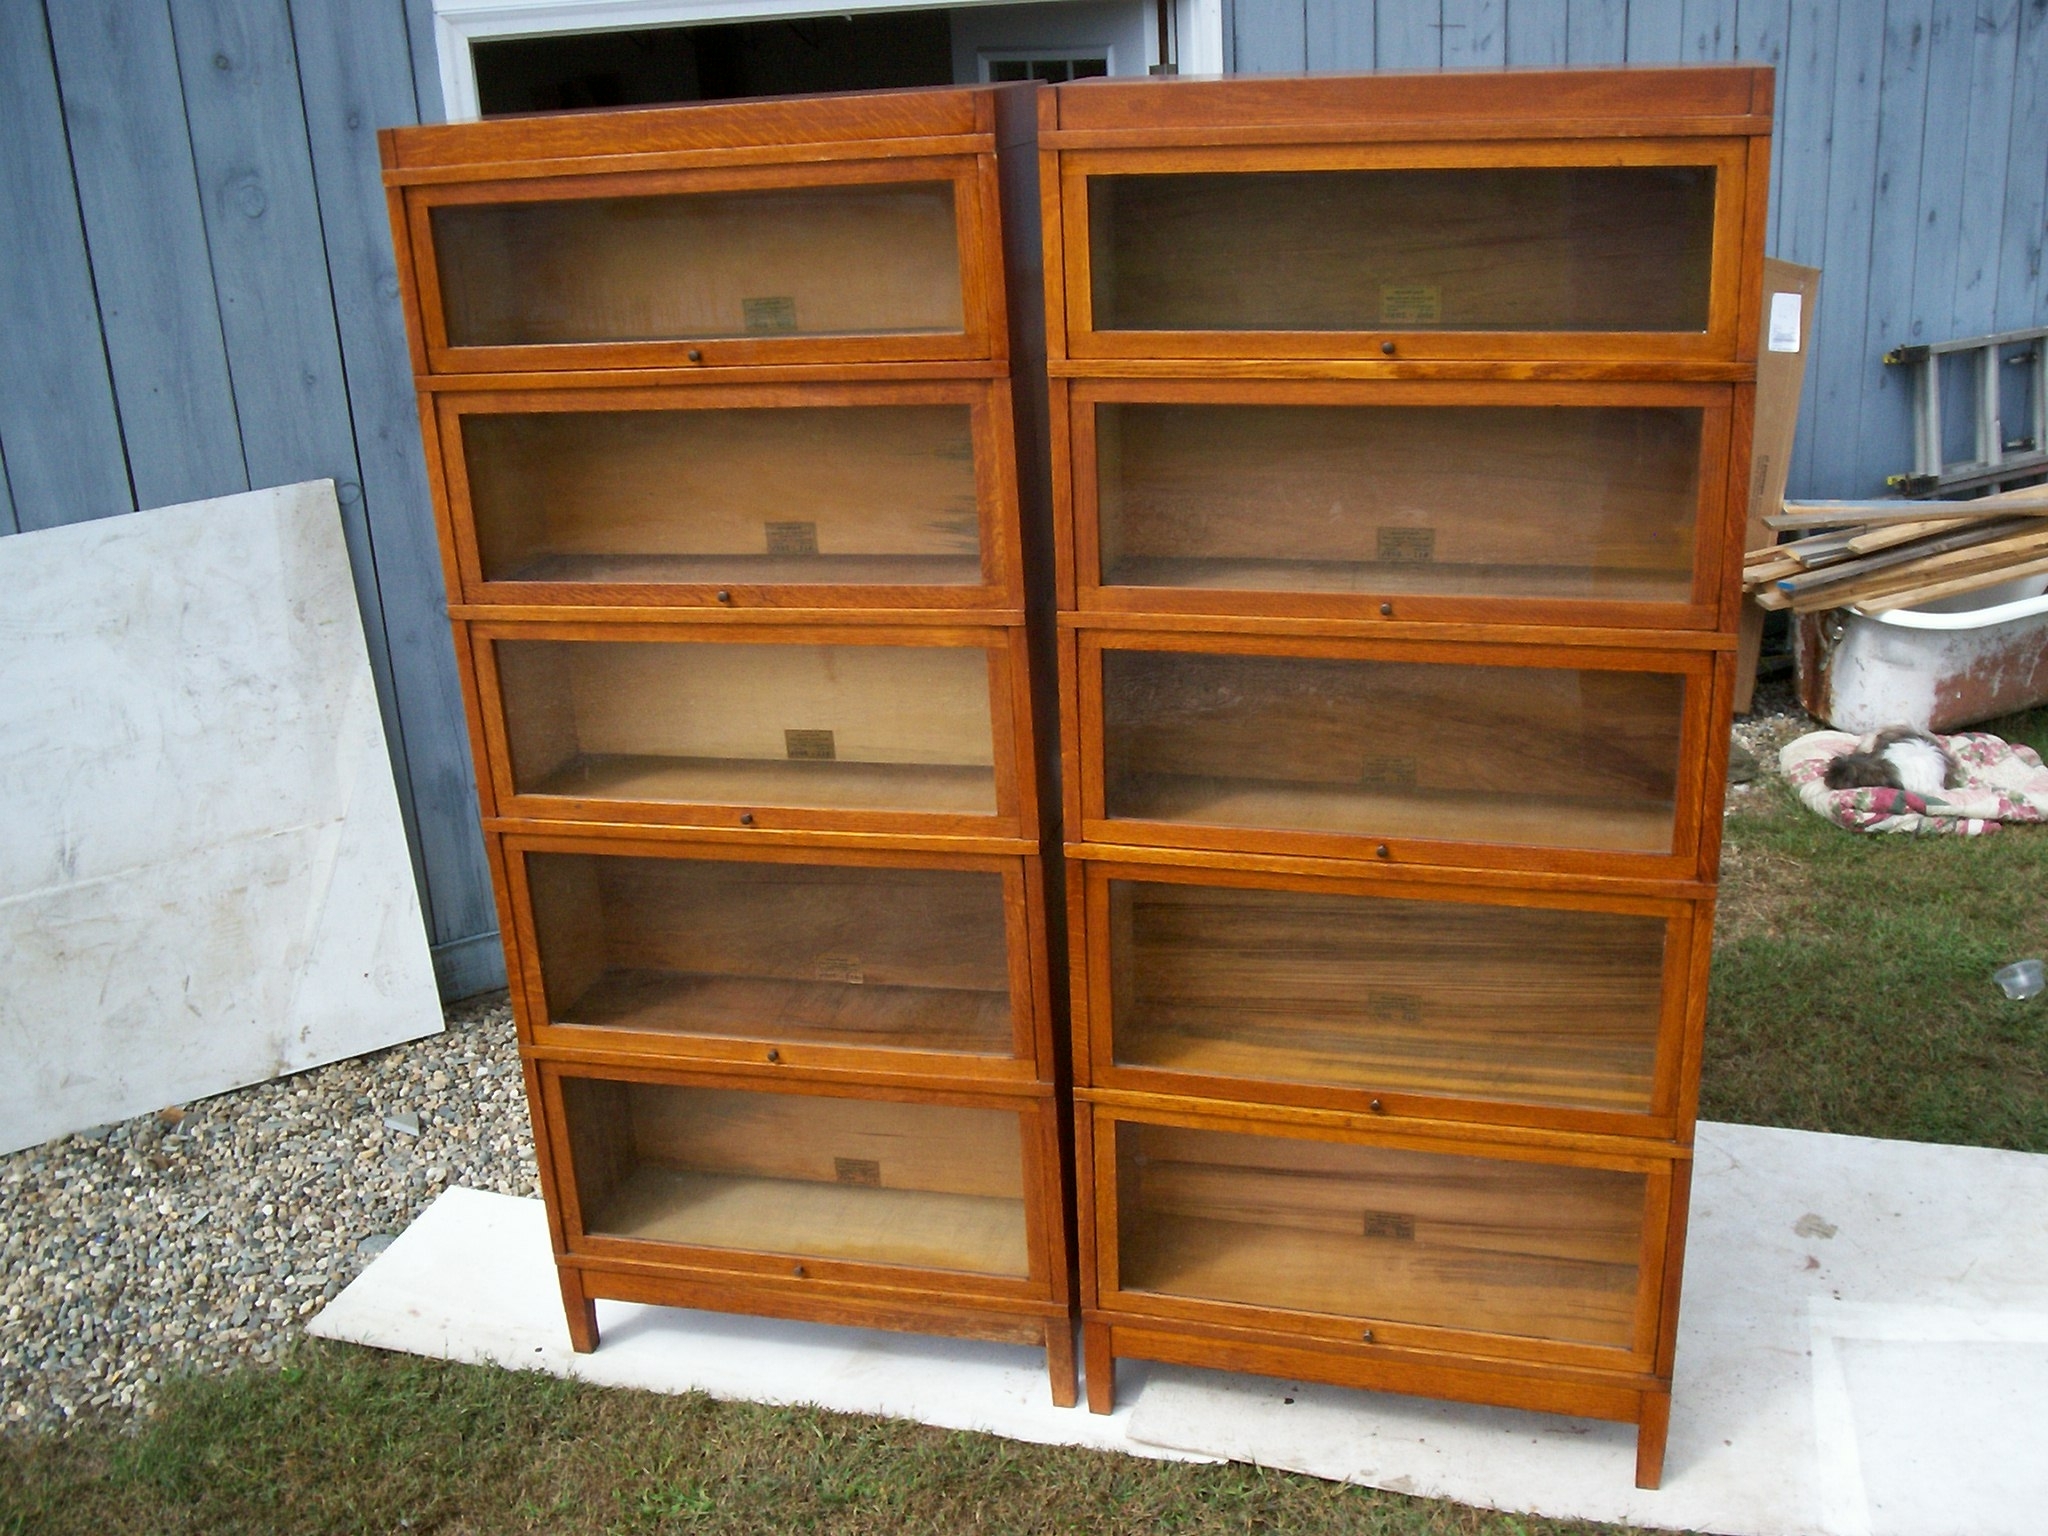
{"x": 458, "y": 24}
{"x": 983, "y": 57}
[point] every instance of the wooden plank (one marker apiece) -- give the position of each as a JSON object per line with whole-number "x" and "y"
{"x": 1761, "y": 36}
{"x": 1409, "y": 34}
{"x": 425, "y": 62}
{"x": 1596, "y": 31}
{"x": 1951, "y": 64}
{"x": 1883, "y": 424}
{"x": 2022, "y": 269}
{"x": 118, "y": 72}
{"x": 1708, "y": 32}
{"x": 355, "y": 77}
{"x": 58, "y": 425}
{"x": 1537, "y": 33}
{"x": 1839, "y": 360}
{"x": 1800, "y": 151}
{"x": 1475, "y": 34}
{"x": 1340, "y": 34}
{"x": 1656, "y": 31}
{"x": 1272, "y": 37}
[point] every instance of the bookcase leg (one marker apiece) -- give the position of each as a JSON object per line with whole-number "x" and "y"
{"x": 1651, "y": 1431}
{"x": 1100, "y": 1365}
{"x": 581, "y": 1310}
{"x": 1059, "y": 1361}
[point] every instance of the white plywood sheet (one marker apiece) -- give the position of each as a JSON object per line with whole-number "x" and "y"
{"x": 204, "y": 880}
{"x": 1863, "y": 1351}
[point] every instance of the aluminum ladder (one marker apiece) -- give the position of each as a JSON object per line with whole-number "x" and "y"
{"x": 1998, "y": 458}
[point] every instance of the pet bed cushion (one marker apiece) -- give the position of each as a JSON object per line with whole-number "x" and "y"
{"x": 2001, "y": 783}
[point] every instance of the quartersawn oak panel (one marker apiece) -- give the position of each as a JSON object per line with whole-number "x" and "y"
{"x": 1529, "y": 1250}
{"x": 909, "y": 726}
{"x": 1544, "y": 501}
{"x": 1517, "y": 755}
{"x": 854, "y": 494}
{"x": 1532, "y": 1004}
{"x": 1523, "y": 248}
{"x": 874, "y": 1181}
{"x": 873, "y": 259}
{"x": 830, "y": 954}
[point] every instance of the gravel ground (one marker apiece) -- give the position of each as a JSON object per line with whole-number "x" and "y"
{"x": 1774, "y": 718}
{"x": 189, "y": 1241}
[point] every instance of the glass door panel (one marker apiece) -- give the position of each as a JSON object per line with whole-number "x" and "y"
{"x": 1528, "y": 248}
{"x": 854, "y": 495}
{"x": 824, "y": 954}
{"x": 1534, "y": 1005}
{"x": 1527, "y": 1250}
{"x": 863, "y": 1180}
{"x": 826, "y": 727}
{"x": 1576, "y": 502}
{"x": 842, "y": 260}
{"x": 1532, "y": 756}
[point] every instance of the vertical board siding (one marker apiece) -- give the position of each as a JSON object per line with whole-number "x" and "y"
{"x": 1409, "y": 34}
{"x": 58, "y": 426}
{"x": 1339, "y": 35}
{"x": 2022, "y": 271}
{"x": 1538, "y": 33}
{"x": 354, "y": 79}
{"x": 1475, "y": 34}
{"x": 1271, "y": 37}
{"x": 1994, "y": 53}
{"x": 198, "y": 294}
{"x": 131, "y": 159}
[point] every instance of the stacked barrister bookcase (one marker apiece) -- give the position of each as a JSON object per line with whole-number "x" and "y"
{"x": 1400, "y": 444}
{"x": 719, "y": 415}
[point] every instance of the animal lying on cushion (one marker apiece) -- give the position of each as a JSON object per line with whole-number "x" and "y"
{"x": 1897, "y": 757}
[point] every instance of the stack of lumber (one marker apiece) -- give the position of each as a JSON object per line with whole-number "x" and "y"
{"x": 1880, "y": 555}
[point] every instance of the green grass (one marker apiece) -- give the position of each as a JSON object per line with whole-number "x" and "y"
{"x": 1853, "y": 993}
{"x": 1868, "y": 1007}
{"x": 350, "y": 1440}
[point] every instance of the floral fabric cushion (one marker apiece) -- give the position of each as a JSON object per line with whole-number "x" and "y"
{"x": 2003, "y": 783}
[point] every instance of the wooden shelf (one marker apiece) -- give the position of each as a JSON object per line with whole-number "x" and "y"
{"x": 913, "y": 1228}
{"x": 931, "y": 788}
{"x": 859, "y": 260}
{"x": 740, "y": 570}
{"x": 1521, "y": 1004}
{"x": 1377, "y": 1233}
{"x": 1609, "y": 824}
{"x": 814, "y": 1012}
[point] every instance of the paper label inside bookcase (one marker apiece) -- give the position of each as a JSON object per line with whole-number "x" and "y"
{"x": 864, "y": 1171}
{"x": 791, "y": 538}
{"x": 1385, "y": 773}
{"x": 1407, "y": 546}
{"x": 809, "y": 746}
{"x": 1411, "y": 303}
{"x": 769, "y": 316}
{"x": 1396, "y": 1225}
{"x": 840, "y": 968}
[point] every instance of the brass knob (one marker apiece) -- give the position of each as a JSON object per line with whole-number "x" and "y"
{"x": 696, "y": 356}
{"x": 1377, "y": 1107}
{"x": 1381, "y": 850}
{"x": 746, "y": 818}
{"x": 1387, "y": 347}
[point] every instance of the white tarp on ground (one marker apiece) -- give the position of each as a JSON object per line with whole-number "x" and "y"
{"x": 203, "y": 872}
{"x": 1862, "y": 1351}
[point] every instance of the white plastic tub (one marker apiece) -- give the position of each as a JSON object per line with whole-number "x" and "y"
{"x": 1941, "y": 667}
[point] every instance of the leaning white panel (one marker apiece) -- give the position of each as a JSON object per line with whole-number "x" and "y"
{"x": 203, "y": 873}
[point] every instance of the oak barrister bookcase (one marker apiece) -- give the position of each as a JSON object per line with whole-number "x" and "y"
{"x": 719, "y": 416}
{"x": 1400, "y": 432}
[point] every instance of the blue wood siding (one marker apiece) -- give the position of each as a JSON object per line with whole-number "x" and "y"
{"x": 198, "y": 295}
{"x": 1910, "y": 161}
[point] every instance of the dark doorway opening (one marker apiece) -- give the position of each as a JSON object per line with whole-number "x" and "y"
{"x": 713, "y": 63}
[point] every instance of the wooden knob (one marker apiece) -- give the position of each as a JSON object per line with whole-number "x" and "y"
{"x": 746, "y": 818}
{"x": 1387, "y": 347}
{"x": 696, "y": 356}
